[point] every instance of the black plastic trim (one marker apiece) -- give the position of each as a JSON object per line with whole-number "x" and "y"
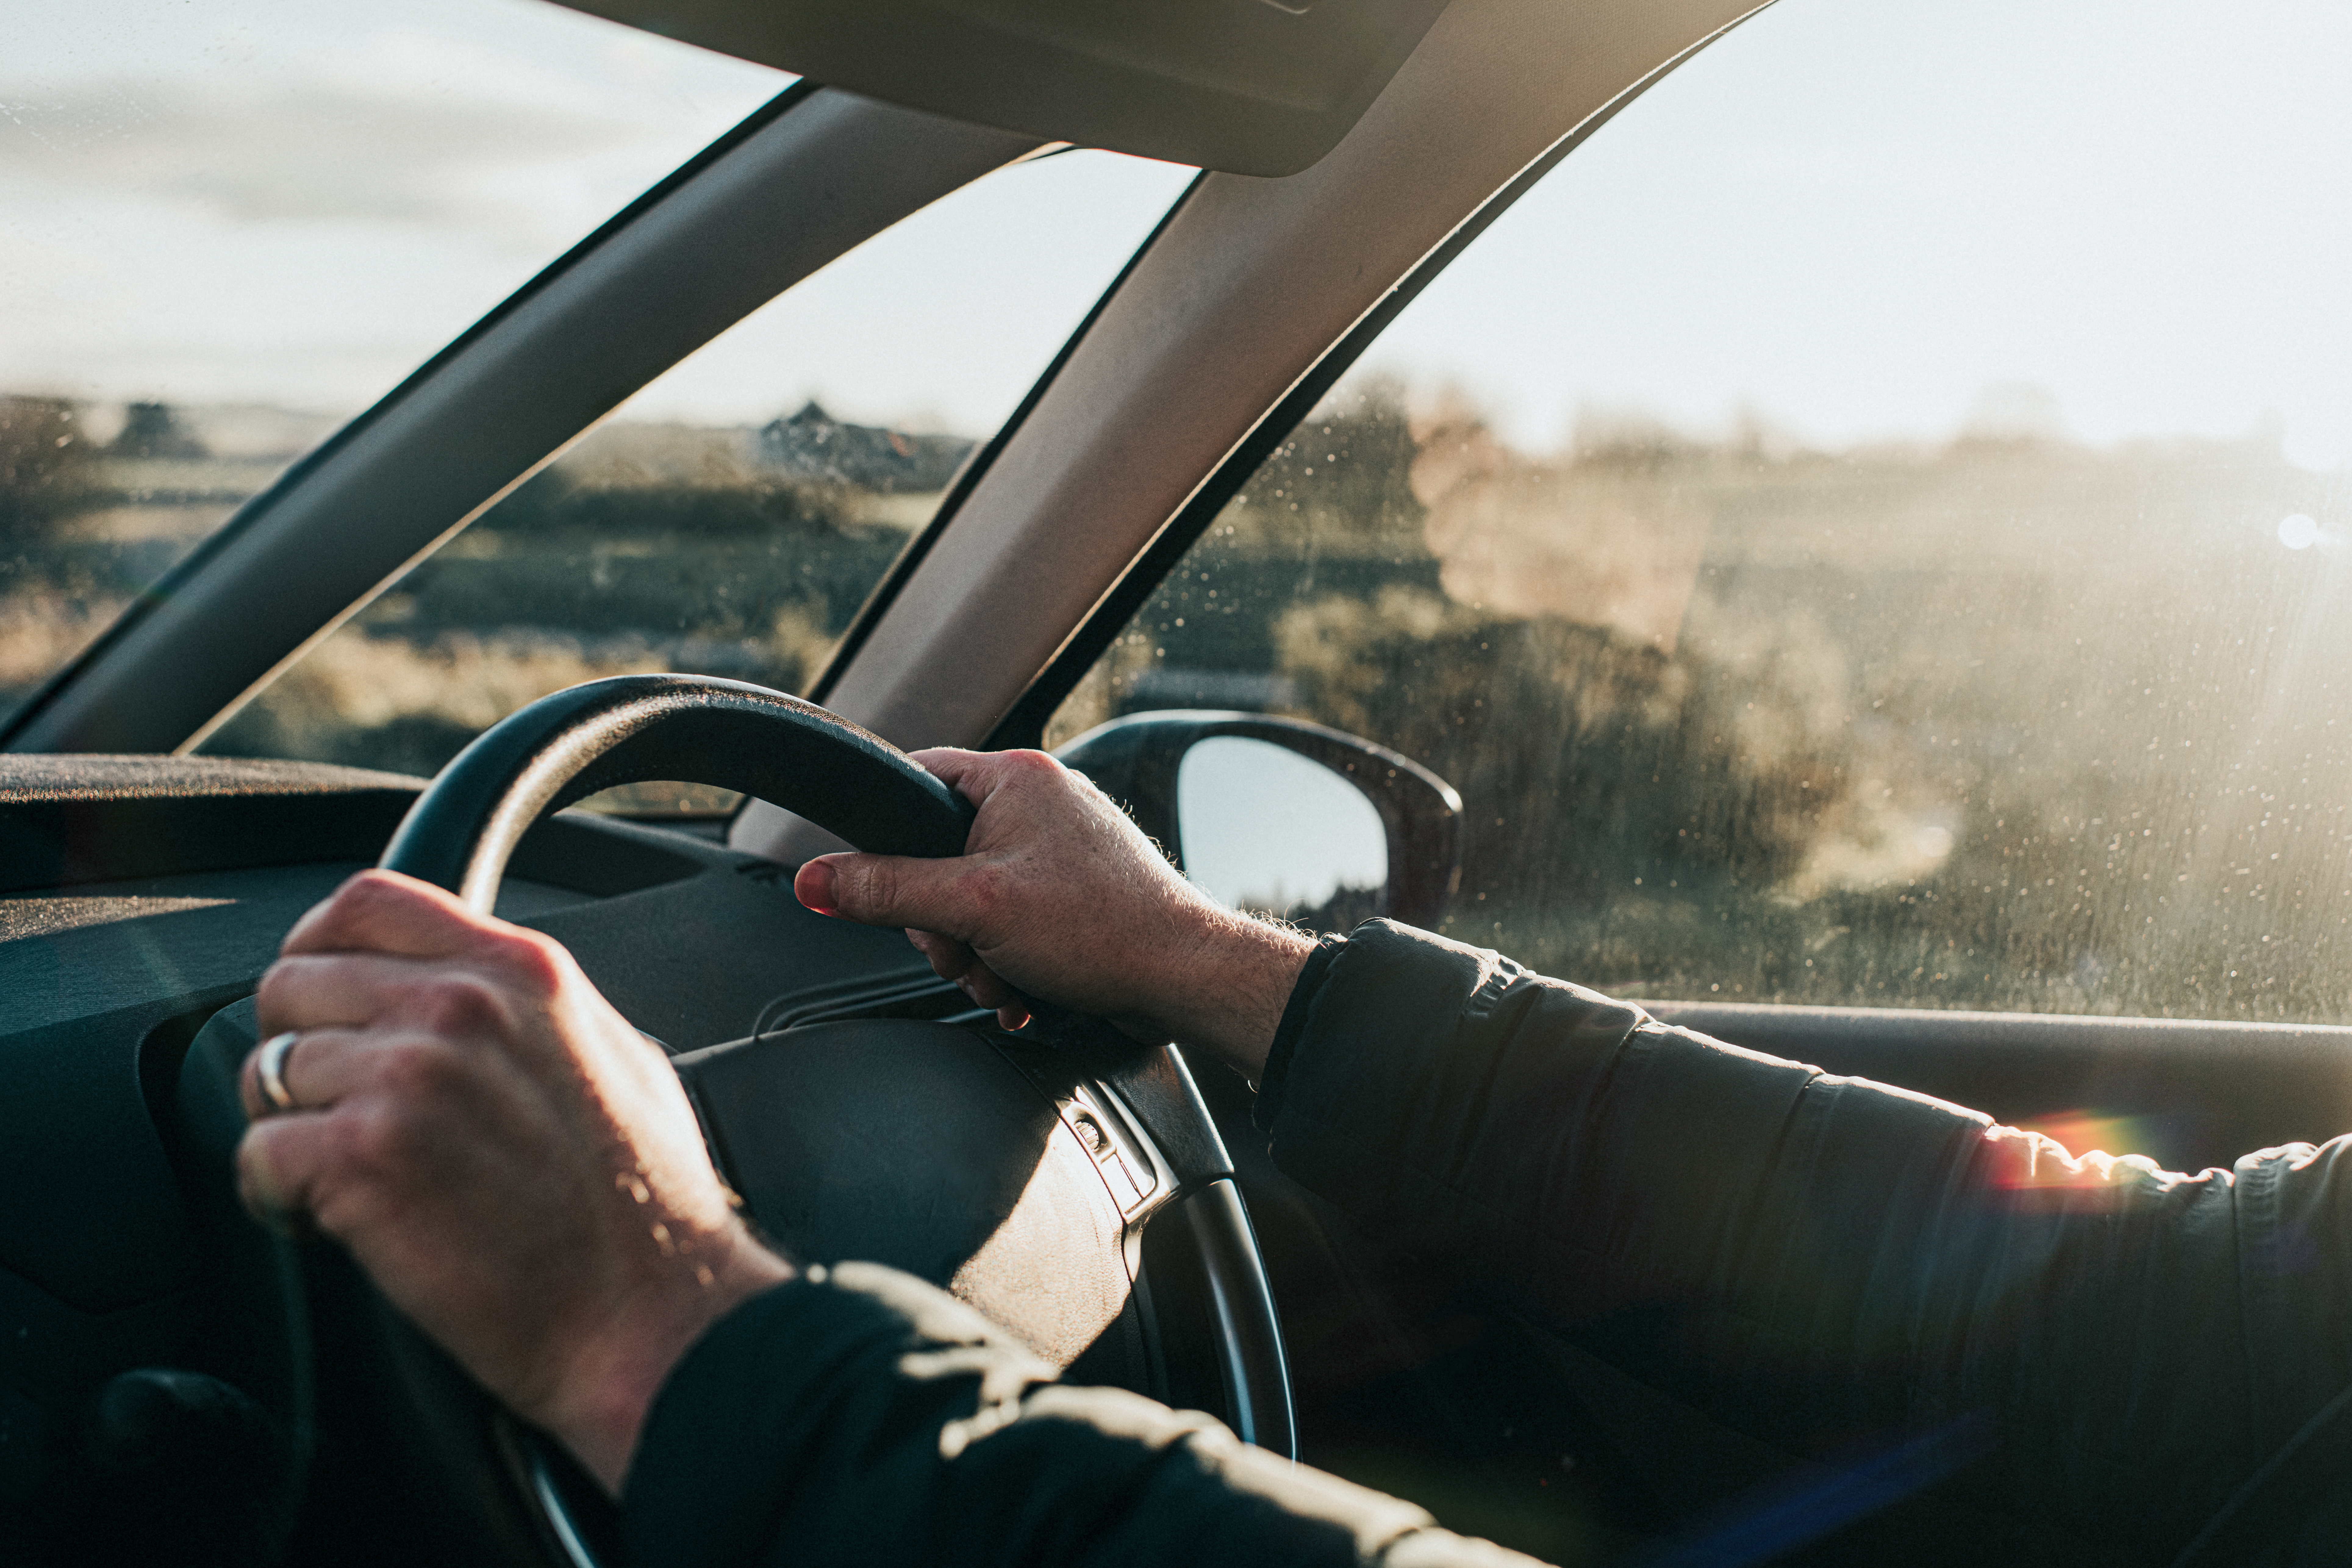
{"x": 2205, "y": 1090}
{"x": 1254, "y": 1367}
{"x": 975, "y": 468}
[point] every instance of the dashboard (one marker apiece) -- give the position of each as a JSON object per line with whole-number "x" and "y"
{"x": 850, "y": 1096}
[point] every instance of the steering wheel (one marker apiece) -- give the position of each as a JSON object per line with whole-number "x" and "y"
{"x": 1064, "y": 1180}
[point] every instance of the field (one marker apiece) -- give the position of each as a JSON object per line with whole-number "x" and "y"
{"x": 1999, "y": 721}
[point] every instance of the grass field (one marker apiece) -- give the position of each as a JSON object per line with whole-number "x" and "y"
{"x": 2001, "y": 723}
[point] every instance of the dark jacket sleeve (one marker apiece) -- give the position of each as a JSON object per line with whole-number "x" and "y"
{"x": 1829, "y": 1263}
{"x": 860, "y": 1416}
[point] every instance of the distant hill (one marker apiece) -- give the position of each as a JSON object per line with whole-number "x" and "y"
{"x": 232, "y": 430}
{"x": 812, "y": 445}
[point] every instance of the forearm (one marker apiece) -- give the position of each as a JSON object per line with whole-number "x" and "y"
{"x": 1819, "y": 1261}
{"x": 1232, "y": 1016}
{"x": 867, "y": 1417}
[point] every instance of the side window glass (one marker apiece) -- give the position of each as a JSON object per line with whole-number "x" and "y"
{"x": 732, "y": 517}
{"x": 1845, "y": 551}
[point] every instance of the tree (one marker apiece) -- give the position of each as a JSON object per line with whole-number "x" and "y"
{"x": 47, "y": 468}
{"x": 153, "y": 431}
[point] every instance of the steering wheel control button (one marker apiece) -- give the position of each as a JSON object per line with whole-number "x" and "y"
{"x": 1091, "y": 1134}
{"x": 1130, "y": 1180}
{"x": 271, "y": 1070}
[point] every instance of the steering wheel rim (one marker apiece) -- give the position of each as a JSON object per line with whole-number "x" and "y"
{"x": 636, "y": 728}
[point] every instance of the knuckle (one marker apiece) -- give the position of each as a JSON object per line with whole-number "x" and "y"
{"x": 371, "y": 891}
{"x": 537, "y": 962}
{"x": 1031, "y": 763}
{"x": 870, "y": 885}
{"x": 274, "y": 1178}
{"x": 271, "y": 992}
{"x": 453, "y": 1006}
{"x": 375, "y": 1141}
{"x": 987, "y": 891}
{"x": 948, "y": 958}
{"x": 396, "y": 885}
{"x": 414, "y": 1070}
{"x": 252, "y": 1160}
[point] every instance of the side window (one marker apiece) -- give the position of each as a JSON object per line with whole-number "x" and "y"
{"x": 1844, "y": 553}
{"x": 732, "y": 517}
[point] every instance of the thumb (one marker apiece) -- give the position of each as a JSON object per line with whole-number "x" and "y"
{"x": 887, "y": 890}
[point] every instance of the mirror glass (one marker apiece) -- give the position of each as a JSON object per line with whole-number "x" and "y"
{"x": 1261, "y": 828}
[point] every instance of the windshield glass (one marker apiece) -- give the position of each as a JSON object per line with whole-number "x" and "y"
{"x": 1871, "y": 527}
{"x": 228, "y": 225}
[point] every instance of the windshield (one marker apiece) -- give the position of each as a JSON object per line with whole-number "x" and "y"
{"x": 730, "y": 519}
{"x": 226, "y": 226}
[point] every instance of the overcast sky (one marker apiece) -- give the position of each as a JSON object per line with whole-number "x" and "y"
{"x": 1857, "y": 217}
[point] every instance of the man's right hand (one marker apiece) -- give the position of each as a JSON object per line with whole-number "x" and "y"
{"x": 511, "y": 1162}
{"x": 1060, "y": 898}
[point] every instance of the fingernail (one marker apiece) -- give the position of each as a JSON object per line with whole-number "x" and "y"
{"x": 814, "y": 888}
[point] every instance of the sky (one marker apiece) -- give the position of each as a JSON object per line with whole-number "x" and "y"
{"x": 1856, "y": 219}
{"x": 298, "y": 204}
{"x": 1871, "y": 218}
{"x": 249, "y": 200}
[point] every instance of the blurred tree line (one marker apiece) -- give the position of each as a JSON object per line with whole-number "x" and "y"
{"x": 1585, "y": 756}
{"x": 48, "y": 472}
{"x": 582, "y": 571}
{"x": 719, "y": 560}
{"x": 57, "y": 588}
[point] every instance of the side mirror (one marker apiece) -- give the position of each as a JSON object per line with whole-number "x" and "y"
{"x": 1281, "y": 815}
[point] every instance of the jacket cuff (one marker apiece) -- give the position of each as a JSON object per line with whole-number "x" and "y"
{"x": 692, "y": 1496}
{"x": 1295, "y": 1015}
{"x": 731, "y": 1446}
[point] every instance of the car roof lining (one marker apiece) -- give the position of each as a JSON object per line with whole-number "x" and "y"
{"x": 1251, "y": 87}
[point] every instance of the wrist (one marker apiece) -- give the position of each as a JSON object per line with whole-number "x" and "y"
{"x": 1230, "y": 988}
{"x": 607, "y": 1392}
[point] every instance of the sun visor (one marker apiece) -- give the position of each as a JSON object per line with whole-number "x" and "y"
{"x": 1251, "y": 86}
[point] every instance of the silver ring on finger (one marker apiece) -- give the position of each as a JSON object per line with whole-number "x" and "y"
{"x": 271, "y": 1069}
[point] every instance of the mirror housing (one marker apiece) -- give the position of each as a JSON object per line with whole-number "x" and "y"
{"x": 1135, "y": 760}
{"x": 1251, "y": 87}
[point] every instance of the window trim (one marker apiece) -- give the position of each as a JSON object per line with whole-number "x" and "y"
{"x": 975, "y": 468}
{"x": 1022, "y": 724}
